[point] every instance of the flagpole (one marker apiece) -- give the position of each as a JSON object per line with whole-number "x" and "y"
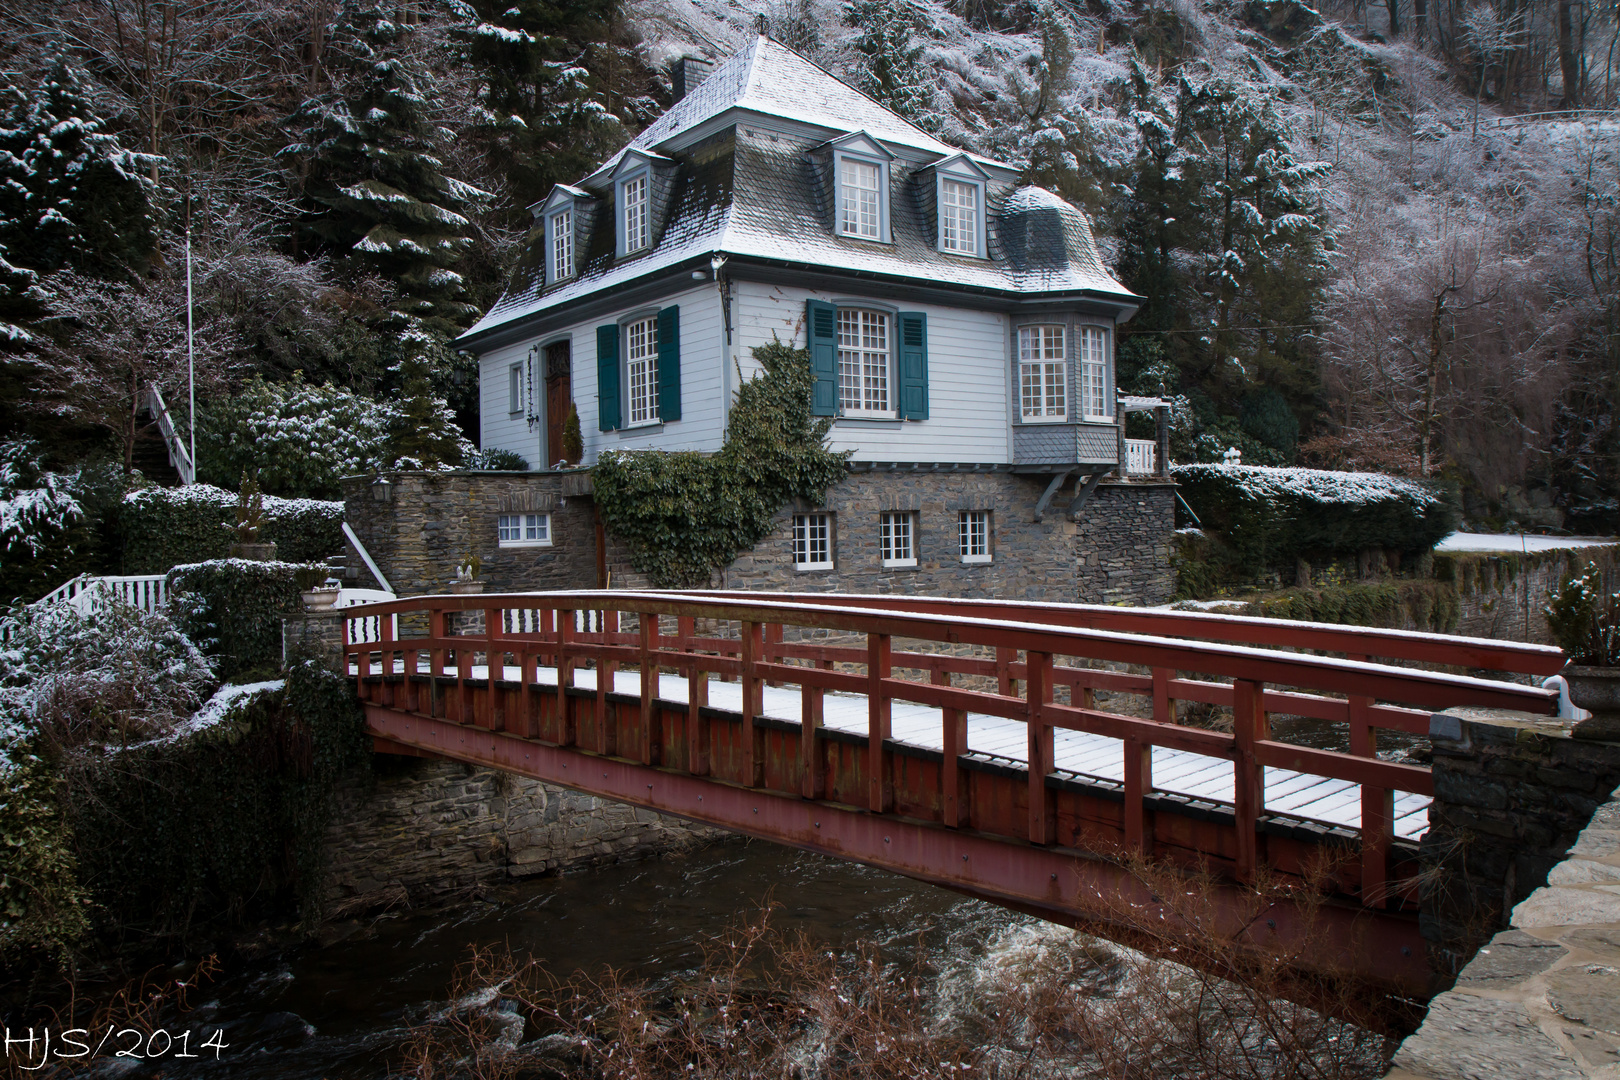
{"x": 191, "y": 360}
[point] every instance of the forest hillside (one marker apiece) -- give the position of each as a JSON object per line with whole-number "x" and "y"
{"x": 1370, "y": 237}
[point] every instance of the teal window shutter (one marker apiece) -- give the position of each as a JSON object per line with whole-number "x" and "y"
{"x": 821, "y": 328}
{"x": 669, "y": 364}
{"x": 607, "y": 377}
{"x": 913, "y": 365}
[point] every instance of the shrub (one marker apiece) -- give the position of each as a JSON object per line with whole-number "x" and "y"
{"x": 1584, "y": 616}
{"x": 299, "y": 439}
{"x": 50, "y": 523}
{"x": 163, "y": 527}
{"x": 497, "y": 461}
{"x": 1269, "y": 518}
{"x": 42, "y": 903}
{"x": 232, "y": 609}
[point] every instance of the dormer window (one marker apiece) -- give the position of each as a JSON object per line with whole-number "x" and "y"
{"x": 861, "y": 181}
{"x": 959, "y": 199}
{"x": 633, "y": 231}
{"x": 561, "y": 230}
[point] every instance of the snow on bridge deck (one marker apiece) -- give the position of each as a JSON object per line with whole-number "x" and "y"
{"x": 1300, "y": 795}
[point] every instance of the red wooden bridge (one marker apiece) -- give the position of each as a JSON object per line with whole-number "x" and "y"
{"x": 1027, "y": 754}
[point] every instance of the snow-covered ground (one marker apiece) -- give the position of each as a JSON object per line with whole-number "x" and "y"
{"x": 1522, "y": 542}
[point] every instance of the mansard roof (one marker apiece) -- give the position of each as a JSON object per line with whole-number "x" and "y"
{"x": 758, "y": 192}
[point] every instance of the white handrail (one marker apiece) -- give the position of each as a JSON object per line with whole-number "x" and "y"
{"x": 365, "y": 555}
{"x": 178, "y": 456}
{"x": 1140, "y": 455}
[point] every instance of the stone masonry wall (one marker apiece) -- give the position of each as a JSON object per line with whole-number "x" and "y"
{"x": 1511, "y": 793}
{"x": 424, "y": 828}
{"x": 1501, "y": 595}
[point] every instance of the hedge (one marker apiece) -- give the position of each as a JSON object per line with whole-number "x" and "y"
{"x": 159, "y": 528}
{"x": 232, "y": 608}
{"x": 1269, "y": 518}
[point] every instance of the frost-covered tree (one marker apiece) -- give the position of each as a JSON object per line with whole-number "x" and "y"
{"x": 366, "y": 158}
{"x": 70, "y": 194}
{"x": 423, "y": 433}
{"x": 892, "y": 70}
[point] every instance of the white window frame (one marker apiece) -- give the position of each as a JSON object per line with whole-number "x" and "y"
{"x": 1092, "y": 353}
{"x": 881, "y": 236}
{"x": 897, "y": 538}
{"x": 643, "y": 236}
{"x": 813, "y": 541}
{"x": 641, "y": 357}
{"x": 514, "y": 389}
{"x": 523, "y": 530}
{"x": 973, "y": 535}
{"x": 560, "y": 234}
{"x": 860, "y": 355}
{"x": 976, "y": 249}
{"x": 1041, "y": 366}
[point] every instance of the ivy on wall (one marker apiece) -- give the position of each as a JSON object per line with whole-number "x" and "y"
{"x": 685, "y": 515}
{"x": 232, "y": 608}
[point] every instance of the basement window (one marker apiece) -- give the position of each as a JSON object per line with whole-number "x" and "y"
{"x": 524, "y": 530}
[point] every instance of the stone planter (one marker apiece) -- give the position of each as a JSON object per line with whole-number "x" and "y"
{"x": 256, "y": 552}
{"x": 463, "y": 587}
{"x": 1596, "y": 689}
{"x": 319, "y": 599}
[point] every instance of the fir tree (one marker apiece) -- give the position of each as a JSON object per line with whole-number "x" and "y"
{"x": 70, "y": 195}
{"x": 894, "y": 73}
{"x": 423, "y": 434}
{"x": 376, "y": 191}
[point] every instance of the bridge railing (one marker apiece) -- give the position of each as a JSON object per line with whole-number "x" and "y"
{"x": 1022, "y": 668}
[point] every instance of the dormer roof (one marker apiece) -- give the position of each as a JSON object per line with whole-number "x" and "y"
{"x": 561, "y": 194}
{"x": 858, "y": 142}
{"x": 634, "y": 158}
{"x": 961, "y": 165}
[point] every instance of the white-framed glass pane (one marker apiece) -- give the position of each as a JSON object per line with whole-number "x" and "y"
{"x": 863, "y": 361}
{"x": 973, "y": 535}
{"x": 1041, "y": 383}
{"x": 641, "y": 363}
{"x": 537, "y": 527}
{"x": 1094, "y": 373}
{"x": 562, "y": 245}
{"x": 634, "y": 196}
{"x": 508, "y": 527}
{"x": 959, "y": 217}
{"x": 812, "y": 540}
{"x": 860, "y": 201}
{"x": 897, "y": 539}
{"x": 514, "y": 388}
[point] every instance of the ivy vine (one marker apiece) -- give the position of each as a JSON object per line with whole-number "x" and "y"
{"x": 685, "y": 515}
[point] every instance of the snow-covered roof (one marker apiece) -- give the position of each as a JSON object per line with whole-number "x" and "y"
{"x": 769, "y": 78}
{"x": 1516, "y": 543}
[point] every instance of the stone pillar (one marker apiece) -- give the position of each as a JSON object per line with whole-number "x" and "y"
{"x": 317, "y": 632}
{"x": 1161, "y": 419}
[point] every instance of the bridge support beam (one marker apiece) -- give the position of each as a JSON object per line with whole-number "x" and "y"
{"x": 1061, "y": 884}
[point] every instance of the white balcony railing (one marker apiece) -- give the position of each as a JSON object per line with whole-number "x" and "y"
{"x": 1140, "y": 457}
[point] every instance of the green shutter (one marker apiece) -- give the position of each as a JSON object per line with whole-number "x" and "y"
{"x": 607, "y": 377}
{"x": 669, "y": 364}
{"x": 913, "y": 365}
{"x": 821, "y": 328}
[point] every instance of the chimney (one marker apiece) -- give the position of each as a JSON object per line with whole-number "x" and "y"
{"x": 688, "y": 74}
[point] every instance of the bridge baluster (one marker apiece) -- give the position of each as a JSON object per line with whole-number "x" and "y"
{"x": 950, "y": 767}
{"x": 493, "y": 715}
{"x": 879, "y": 783}
{"x": 651, "y": 737}
{"x": 1037, "y": 693}
{"x": 753, "y": 758}
{"x": 1005, "y": 658}
{"x": 1377, "y": 804}
{"x": 566, "y": 732}
{"x": 697, "y": 697}
{"x": 1249, "y": 725}
{"x": 606, "y": 675}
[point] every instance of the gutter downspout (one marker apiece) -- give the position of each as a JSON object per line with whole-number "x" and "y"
{"x": 717, "y": 266}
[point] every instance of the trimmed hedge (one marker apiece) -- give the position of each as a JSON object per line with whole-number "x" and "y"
{"x": 159, "y": 528}
{"x": 1269, "y": 518}
{"x": 232, "y": 608}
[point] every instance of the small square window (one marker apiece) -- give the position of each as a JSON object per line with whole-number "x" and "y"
{"x": 973, "y": 535}
{"x": 523, "y": 530}
{"x": 514, "y": 390}
{"x": 812, "y": 542}
{"x": 898, "y": 539}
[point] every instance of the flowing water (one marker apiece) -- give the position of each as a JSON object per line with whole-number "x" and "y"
{"x": 338, "y": 1012}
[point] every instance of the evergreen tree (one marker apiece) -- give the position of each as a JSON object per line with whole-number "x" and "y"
{"x": 423, "y": 434}
{"x": 70, "y": 195}
{"x": 376, "y": 191}
{"x": 894, "y": 73}
{"x": 541, "y": 113}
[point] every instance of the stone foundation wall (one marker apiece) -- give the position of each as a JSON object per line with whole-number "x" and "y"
{"x": 1511, "y": 794}
{"x": 1502, "y": 595}
{"x": 424, "y": 828}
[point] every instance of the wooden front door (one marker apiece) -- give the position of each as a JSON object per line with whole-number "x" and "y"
{"x": 559, "y": 399}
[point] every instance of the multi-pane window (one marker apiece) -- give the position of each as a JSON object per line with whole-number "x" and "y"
{"x": 514, "y": 389}
{"x": 1094, "y": 373}
{"x": 524, "y": 530}
{"x": 863, "y": 361}
{"x": 641, "y": 364}
{"x": 633, "y": 196}
{"x": 973, "y": 535}
{"x": 861, "y": 207}
{"x": 562, "y": 245}
{"x": 897, "y": 539}
{"x": 1041, "y": 364}
{"x": 812, "y": 541}
{"x": 959, "y": 217}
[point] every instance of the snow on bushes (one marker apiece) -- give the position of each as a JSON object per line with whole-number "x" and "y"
{"x": 232, "y": 608}
{"x": 1268, "y": 518}
{"x": 164, "y": 527}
